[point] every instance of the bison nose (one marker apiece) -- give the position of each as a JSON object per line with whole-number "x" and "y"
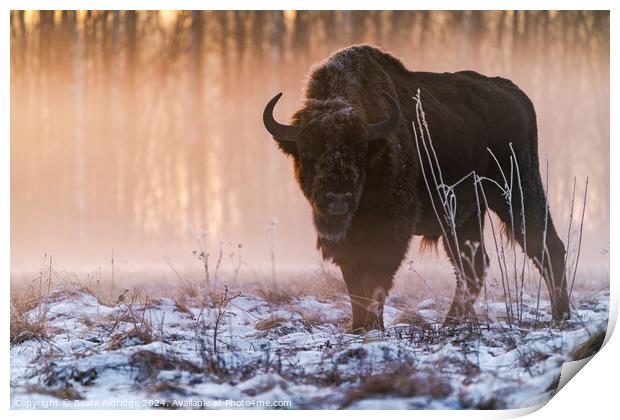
{"x": 338, "y": 203}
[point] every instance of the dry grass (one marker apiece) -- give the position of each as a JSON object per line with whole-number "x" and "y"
{"x": 66, "y": 393}
{"x": 182, "y": 306}
{"x": 590, "y": 347}
{"x": 88, "y": 321}
{"x": 28, "y": 319}
{"x": 139, "y": 334}
{"x": 277, "y": 296}
{"x": 412, "y": 318}
{"x": 269, "y": 323}
{"x": 325, "y": 284}
{"x": 312, "y": 317}
{"x": 402, "y": 381}
{"x": 23, "y": 328}
{"x": 322, "y": 283}
{"x": 149, "y": 364}
{"x": 133, "y": 312}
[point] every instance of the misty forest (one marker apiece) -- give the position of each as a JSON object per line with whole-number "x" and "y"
{"x": 163, "y": 254}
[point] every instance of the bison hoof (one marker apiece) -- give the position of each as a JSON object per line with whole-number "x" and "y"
{"x": 365, "y": 329}
{"x": 560, "y": 315}
{"x": 460, "y": 321}
{"x": 357, "y": 330}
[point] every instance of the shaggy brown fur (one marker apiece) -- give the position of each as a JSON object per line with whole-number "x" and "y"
{"x": 367, "y": 191}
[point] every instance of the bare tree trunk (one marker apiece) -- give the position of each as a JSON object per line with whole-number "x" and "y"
{"x": 194, "y": 147}
{"x": 78, "y": 133}
{"x": 130, "y": 171}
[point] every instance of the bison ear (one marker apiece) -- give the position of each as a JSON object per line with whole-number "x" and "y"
{"x": 375, "y": 149}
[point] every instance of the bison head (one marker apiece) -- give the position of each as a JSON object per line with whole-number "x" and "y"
{"x": 332, "y": 147}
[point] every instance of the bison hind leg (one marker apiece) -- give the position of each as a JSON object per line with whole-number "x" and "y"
{"x": 541, "y": 241}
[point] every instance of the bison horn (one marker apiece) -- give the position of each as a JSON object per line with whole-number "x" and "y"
{"x": 382, "y": 129}
{"x": 279, "y": 131}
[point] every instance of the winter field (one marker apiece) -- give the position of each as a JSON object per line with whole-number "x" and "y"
{"x": 131, "y": 128}
{"x": 259, "y": 345}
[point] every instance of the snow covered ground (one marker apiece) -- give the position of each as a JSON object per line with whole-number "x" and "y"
{"x": 245, "y": 351}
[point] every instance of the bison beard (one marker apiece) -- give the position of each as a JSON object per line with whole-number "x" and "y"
{"x": 356, "y": 162}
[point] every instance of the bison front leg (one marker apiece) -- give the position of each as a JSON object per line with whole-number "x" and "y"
{"x": 470, "y": 262}
{"x": 367, "y": 289}
{"x": 357, "y": 293}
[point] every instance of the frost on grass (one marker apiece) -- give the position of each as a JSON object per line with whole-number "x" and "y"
{"x": 295, "y": 349}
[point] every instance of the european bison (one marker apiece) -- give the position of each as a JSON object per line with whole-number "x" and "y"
{"x": 356, "y": 161}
